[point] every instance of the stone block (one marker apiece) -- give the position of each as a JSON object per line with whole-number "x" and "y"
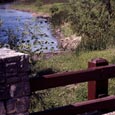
{"x": 2, "y": 67}
{"x": 14, "y": 83}
{"x": 24, "y": 76}
{"x": 2, "y": 108}
{"x": 19, "y": 89}
{"x": 13, "y": 65}
{"x": 2, "y": 78}
{"x": 8, "y": 55}
{"x": 23, "y": 65}
{"x": 11, "y": 69}
{"x": 3, "y": 92}
{"x": 13, "y": 80}
{"x": 27, "y": 113}
{"x": 14, "y": 60}
{"x": 17, "y": 106}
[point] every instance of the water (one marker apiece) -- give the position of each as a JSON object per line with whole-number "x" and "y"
{"x": 28, "y": 32}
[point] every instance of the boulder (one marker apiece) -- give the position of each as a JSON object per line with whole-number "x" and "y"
{"x": 70, "y": 43}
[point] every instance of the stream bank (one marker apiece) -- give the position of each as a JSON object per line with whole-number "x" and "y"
{"x": 62, "y": 42}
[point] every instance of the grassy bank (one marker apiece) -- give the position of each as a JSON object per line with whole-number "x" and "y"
{"x": 72, "y": 61}
{"x": 72, "y": 93}
{"x": 36, "y": 7}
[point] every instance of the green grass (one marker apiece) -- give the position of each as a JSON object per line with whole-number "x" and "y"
{"x": 33, "y": 7}
{"x": 72, "y": 61}
{"x": 25, "y": 7}
{"x": 72, "y": 93}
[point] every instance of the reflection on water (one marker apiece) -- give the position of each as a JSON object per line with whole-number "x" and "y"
{"x": 32, "y": 33}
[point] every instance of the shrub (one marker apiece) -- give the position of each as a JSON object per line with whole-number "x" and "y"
{"x": 38, "y": 3}
{"x": 59, "y": 14}
{"x": 92, "y": 20}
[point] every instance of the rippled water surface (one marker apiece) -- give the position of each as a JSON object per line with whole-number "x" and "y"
{"x": 26, "y": 31}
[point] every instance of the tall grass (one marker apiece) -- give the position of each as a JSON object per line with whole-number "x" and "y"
{"x": 71, "y": 61}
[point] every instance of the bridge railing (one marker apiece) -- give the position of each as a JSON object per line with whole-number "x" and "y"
{"x": 96, "y": 75}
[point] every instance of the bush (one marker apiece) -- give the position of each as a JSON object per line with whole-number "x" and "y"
{"x": 59, "y": 14}
{"x": 54, "y": 9}
{"x": 92, "y": 20}
{"x": 38, "y": 3}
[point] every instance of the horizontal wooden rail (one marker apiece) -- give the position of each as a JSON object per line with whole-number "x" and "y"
{"x": 66, "y": 78}
{"x": 82, "y": 107}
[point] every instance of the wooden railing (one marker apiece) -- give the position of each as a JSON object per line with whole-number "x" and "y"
{"x": 96, "y": 75}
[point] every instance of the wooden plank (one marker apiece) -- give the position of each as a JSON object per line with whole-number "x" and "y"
{"x": 100, "y": 104}
{"x": 66, "y": 78}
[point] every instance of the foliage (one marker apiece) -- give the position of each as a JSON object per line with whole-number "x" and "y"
{"x": 38, "y": 3}
{"x": 91, "y": 19}
{"x": 66, "y": 30}
{"x": 59, "y": 12}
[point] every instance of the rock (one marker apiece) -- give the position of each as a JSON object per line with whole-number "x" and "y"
{"x": 2, "y": 108}
{"x": 17, "y": 105}
{"x": 70, "y": 43}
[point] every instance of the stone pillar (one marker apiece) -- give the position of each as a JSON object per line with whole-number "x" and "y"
{"x": 14, "y": 83}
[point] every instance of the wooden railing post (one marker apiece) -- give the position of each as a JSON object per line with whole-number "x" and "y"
{"x": 99, "y": 88}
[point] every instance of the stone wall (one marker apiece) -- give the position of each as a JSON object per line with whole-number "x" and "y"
{"x": 14, "y": 83}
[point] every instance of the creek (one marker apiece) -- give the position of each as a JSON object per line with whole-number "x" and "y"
{"x": 25, "y": 31}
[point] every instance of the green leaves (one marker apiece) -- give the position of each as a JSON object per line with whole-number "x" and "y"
{"x": 92, "y": 20}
